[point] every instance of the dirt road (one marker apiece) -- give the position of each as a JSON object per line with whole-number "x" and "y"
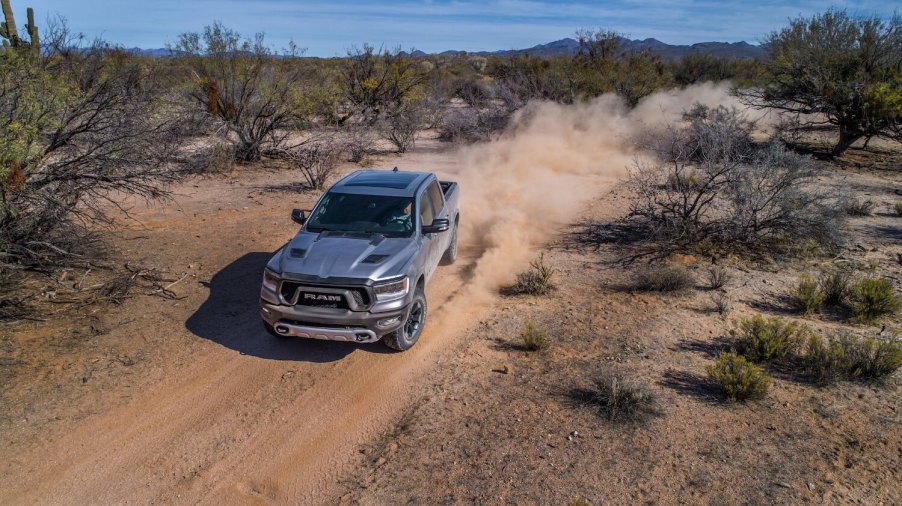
{"x": 225, "y": 412}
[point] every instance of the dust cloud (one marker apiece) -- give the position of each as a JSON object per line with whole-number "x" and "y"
{"x": 519, "y": 189}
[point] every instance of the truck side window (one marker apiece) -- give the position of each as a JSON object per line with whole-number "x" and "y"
{"x": 427, "y": 209}
{"x": 438, "y": 200}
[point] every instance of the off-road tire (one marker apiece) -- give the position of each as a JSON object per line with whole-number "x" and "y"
{"x": 450, "y": 255}
{"x": 405, "y": 337}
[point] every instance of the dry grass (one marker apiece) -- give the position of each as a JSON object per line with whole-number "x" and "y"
{"x": 663, "y": 278}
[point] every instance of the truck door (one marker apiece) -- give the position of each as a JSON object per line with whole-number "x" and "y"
{"x": 431, "y": 242}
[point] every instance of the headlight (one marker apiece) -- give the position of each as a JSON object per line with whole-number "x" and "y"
{"x": 270, "y": 280}
{"x": 392, "y": 290}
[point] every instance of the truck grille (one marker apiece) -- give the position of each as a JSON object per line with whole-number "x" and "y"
{"x": 341, "y": 297}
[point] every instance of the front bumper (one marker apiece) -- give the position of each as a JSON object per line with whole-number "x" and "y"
{"x": 331, "y": 324}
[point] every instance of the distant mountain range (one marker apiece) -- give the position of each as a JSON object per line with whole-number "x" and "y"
{"x": 569, "y": 46}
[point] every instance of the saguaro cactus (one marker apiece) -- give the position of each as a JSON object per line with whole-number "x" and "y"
{"x": 32, "y": 29}
{"x": 8, "y": 28}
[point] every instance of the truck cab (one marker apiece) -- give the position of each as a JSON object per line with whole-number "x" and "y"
{"x": 358, "y": 267}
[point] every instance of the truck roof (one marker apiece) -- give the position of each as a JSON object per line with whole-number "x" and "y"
{"x": 382, "y": 182}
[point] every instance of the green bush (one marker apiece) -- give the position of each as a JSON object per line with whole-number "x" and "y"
{"x": 768, "y": 340}
{"x": 535, "y": 339}
{"x": 536, "y": 280}
{"x": 620, "y": 399}
{"x": 871, "y": 298}
{"x": 806, "y": 295}
{"x": 739, "y": 379}
{"x": 872, "y": 358}
{"x": 825, "y": 360}
{"x": 663, "y": 278}
{"x": 850, "y": 357}
{"x": 834, "y": 286}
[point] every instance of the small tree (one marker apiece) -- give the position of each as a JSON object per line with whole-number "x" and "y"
{"x": 378, "y": 81}
{"x": 79, "y": 131}
{"x": 843, "y": 70}
{"x": 239, "y": 84}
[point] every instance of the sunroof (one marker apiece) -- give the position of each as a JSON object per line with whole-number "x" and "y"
{"x": 396, "y": 180}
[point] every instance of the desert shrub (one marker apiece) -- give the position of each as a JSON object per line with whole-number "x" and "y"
{"x": 710, "y": 186}
{"x": 242, "y": 87}
{"x": 622, "y": 400}
{"x": 739, "y": 379}
{"x": 717, "y": 277}
{"x": 317, "y": 161}
{"x": 824, "y": 361}
{"x": 400, "y": 126}
{"x": 721, "y": 304}
{"x": 535, "y": 339}
{"x": 857, "y": 207}
{"x": 663, "y": 278}
{"x": 871, "y": 358}
{"x": 807, "y": 296}
{"x": 872, "y": 298}
{"x": 834, "y": 286}
{"x": 897, "y": 207}
{"x": 536, "y": 280}
{"x": 359, "y": 144}
{"x": 472, "y": 125}
{"x": 767, "y": 340}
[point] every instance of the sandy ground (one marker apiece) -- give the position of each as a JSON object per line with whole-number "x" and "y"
{"x": 190, "y": 401}
{"x": 505, "y": 426}
{"x": 161, "y": 401}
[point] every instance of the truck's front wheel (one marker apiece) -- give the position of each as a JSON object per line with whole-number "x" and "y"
{"x": 406, "y": 336}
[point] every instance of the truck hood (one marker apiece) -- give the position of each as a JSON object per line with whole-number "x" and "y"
{"x": 346, "y": 255}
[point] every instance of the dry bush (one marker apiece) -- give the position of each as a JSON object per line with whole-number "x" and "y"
{"x": 739, "y": 379}
{"x": 240, "y": 85}
{"x": 400, "y": 126}
{"x": 807, "y": 295}
{"x": 857, "y": 207}
{"x": 711, "y": 187}
{"x": 663, "y": 278}
{"x": 722, "y": 304}
{"x": 872, "y": 298}
{"x": 316, "y": 160}
{"x": 472, "y": 125}
{"x": 621, "y": 400}
{"x": 536, "y": 280}
{"x": 81, "y": 130}
{"x": 359, "y": 144}
{"x": 768, "y": 340}
{"x": 717, "y": 277}
{"x": 535, "y": 339}
{"x": 897, "y": 208}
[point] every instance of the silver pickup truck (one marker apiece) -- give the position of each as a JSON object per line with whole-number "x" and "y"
{"x": 358, "y": 268}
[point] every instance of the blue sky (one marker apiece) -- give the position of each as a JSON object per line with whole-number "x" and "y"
{"x": 330, "y": 28}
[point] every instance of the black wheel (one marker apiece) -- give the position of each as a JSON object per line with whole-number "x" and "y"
{"x": 406, "y": 336}
{"x": 450, "y": 255}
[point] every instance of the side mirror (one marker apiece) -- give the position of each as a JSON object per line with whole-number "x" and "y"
{"x": 298, "y": 217}
{"x": 438, "y": 225}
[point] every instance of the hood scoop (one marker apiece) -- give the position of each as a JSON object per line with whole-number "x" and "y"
{"x": 298, "y": 252}
{"x": 374, "y": 259}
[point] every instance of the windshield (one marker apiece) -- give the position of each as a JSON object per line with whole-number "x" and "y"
{"x": 347, "y": 212}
